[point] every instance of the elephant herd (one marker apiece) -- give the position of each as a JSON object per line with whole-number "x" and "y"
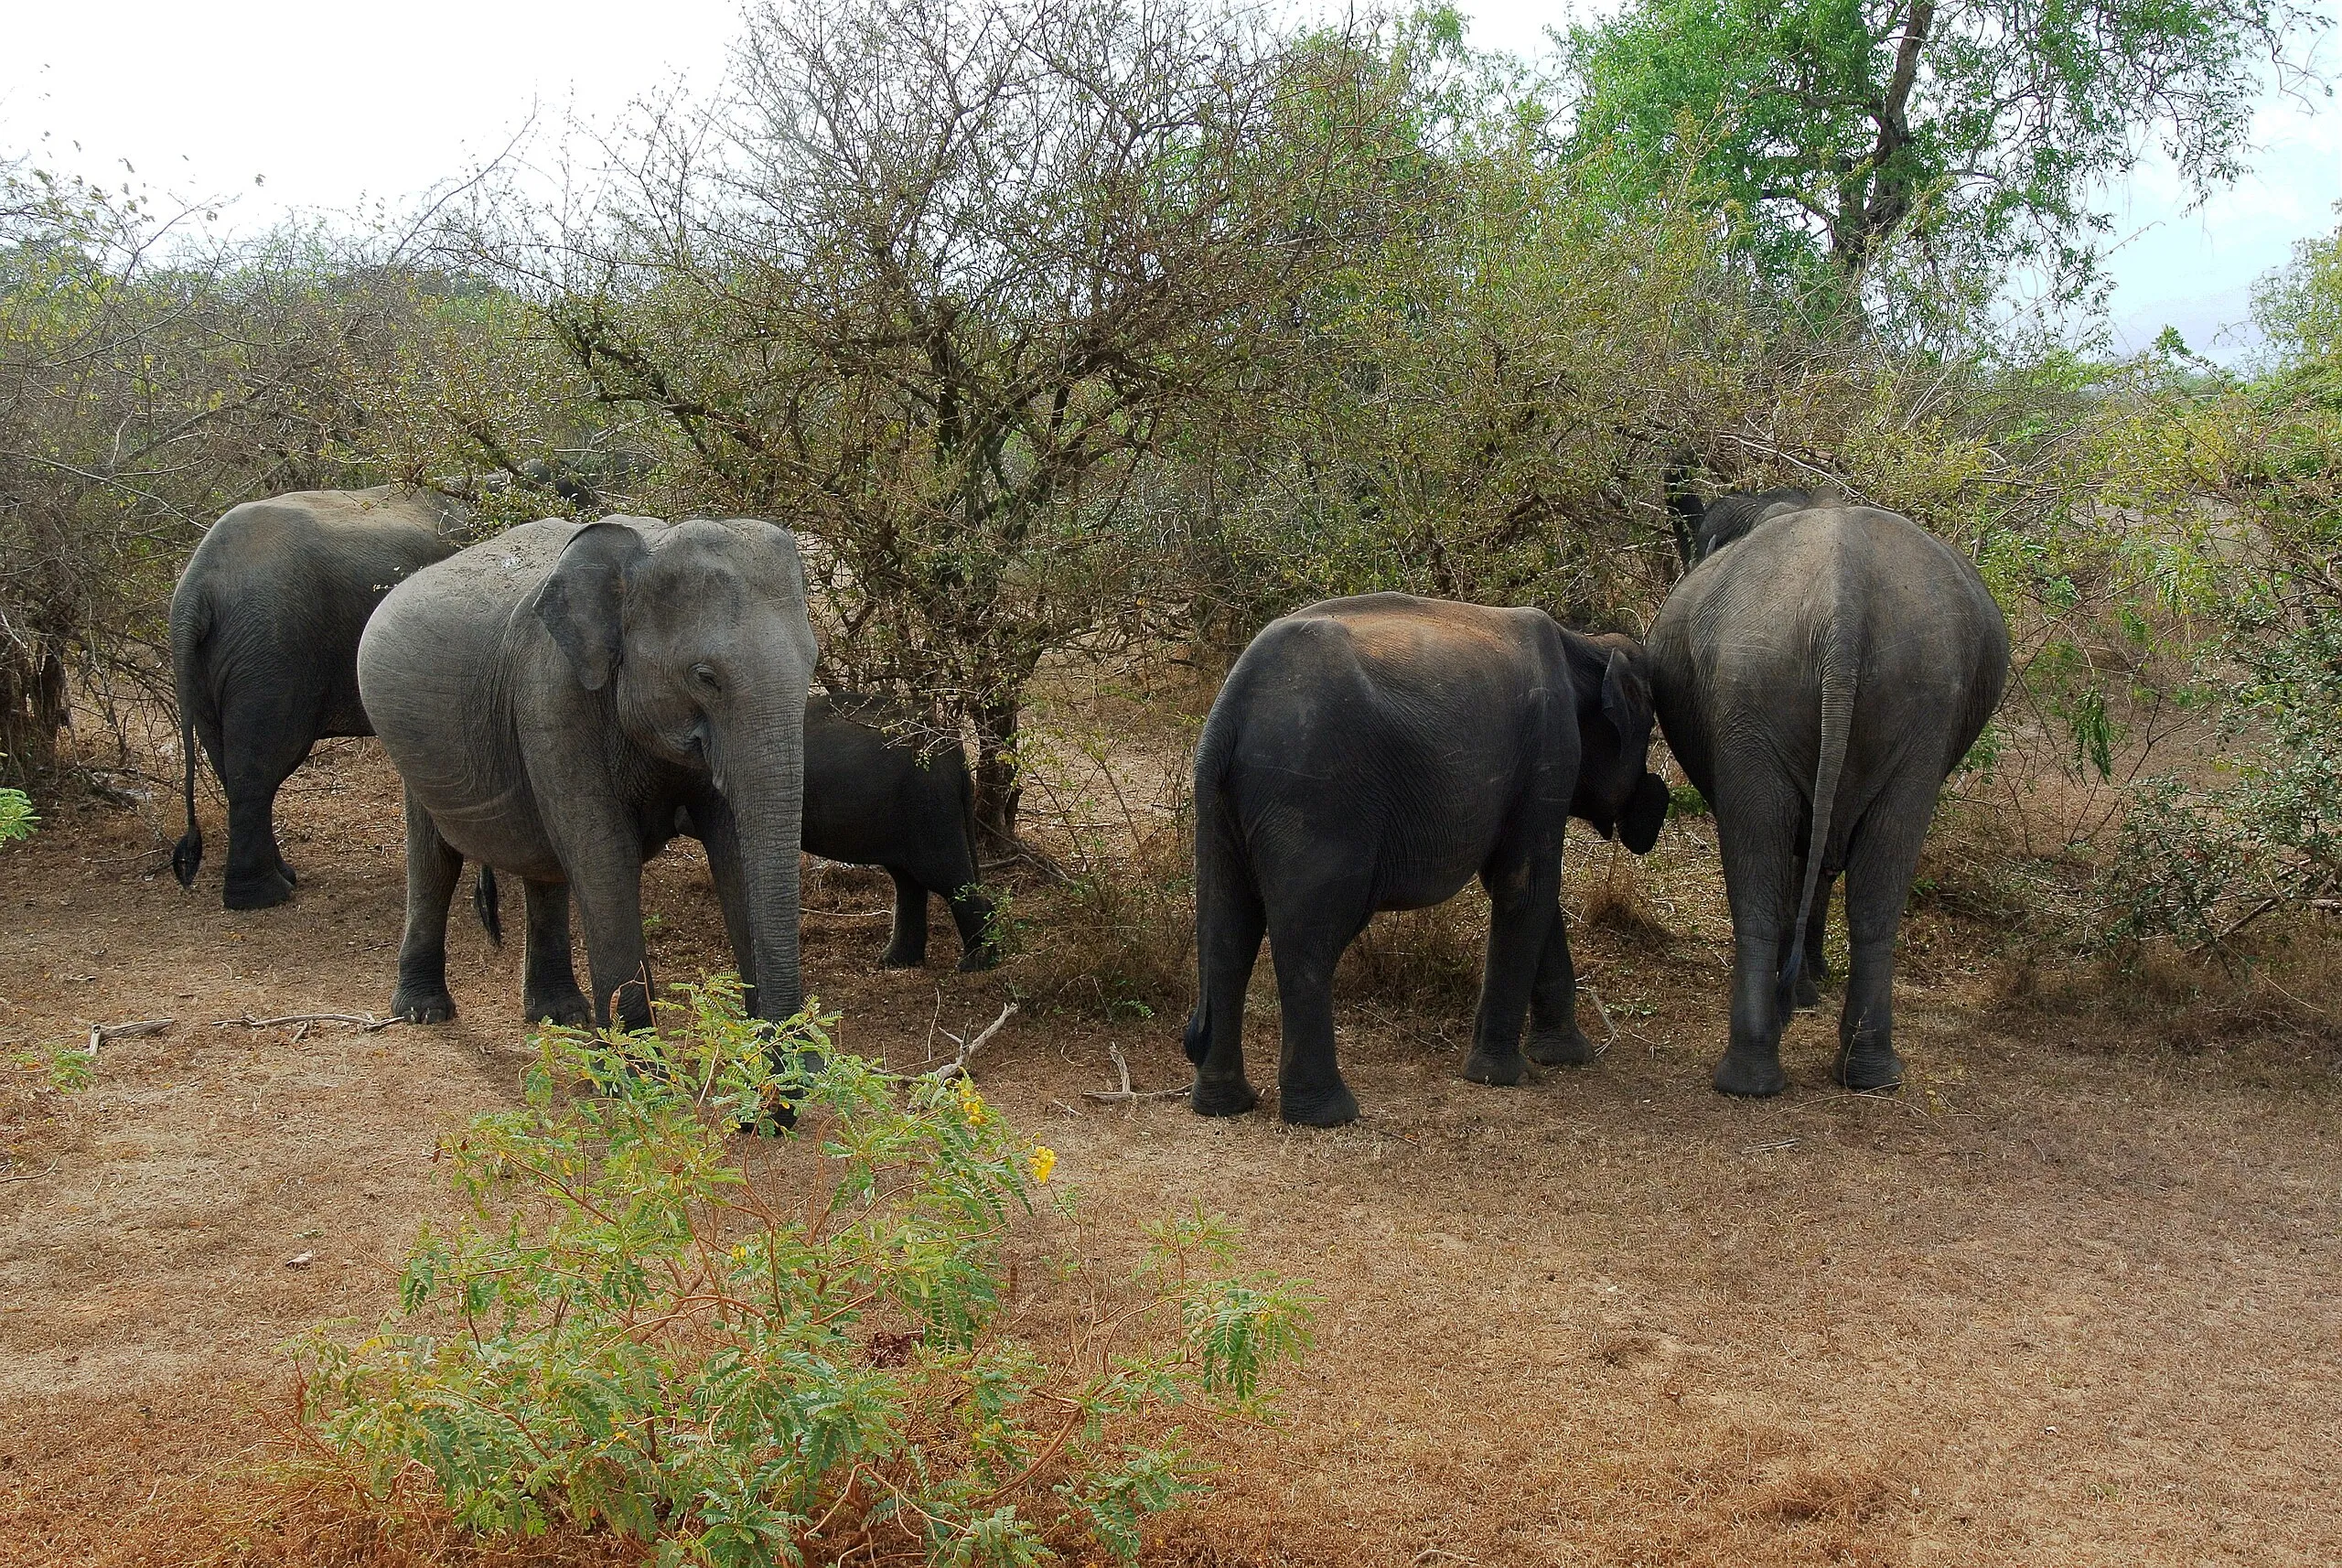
{"x": 564, "y": 698}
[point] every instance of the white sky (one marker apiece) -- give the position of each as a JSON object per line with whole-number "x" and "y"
{"x": 336, "y": 105}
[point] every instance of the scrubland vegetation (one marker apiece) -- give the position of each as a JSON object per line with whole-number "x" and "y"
{"x": 1076, "y": 342}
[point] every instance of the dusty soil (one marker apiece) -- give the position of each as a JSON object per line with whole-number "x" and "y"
{"x": 2069, "y": 1299}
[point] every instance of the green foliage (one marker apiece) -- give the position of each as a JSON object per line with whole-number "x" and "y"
{"x": 632, "y": 1329}
{"x": 2197, "y": 865}
{"x": 1977, "y": 133}
{"x": 17, "y": 818}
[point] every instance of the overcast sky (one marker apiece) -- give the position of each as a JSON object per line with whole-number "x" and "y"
{"x": 330, "y": 104}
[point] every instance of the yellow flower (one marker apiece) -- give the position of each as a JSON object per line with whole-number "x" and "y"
{"x": 740, "y": 1252}
{"x": 1045, "y": 1160}
{"x": 972, "y": 1104}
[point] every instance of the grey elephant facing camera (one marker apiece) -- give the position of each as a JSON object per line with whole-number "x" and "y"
{"x": 265, "y": 629}
{"x": 1378, "y": 753}
{"x": 554, "y": 699}
{"x": 1819, "y": 675}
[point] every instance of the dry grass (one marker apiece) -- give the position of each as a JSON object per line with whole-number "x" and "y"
{"x": 2068, "y": 1300}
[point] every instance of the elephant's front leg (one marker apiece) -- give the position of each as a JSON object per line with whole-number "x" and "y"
{"x": 1524, "y": 907}
{"x": 1554, "y": 1037}
{"x": 549, "y": 987}
{"x": 605, "y": 872}
{"x": 432, "y": 870}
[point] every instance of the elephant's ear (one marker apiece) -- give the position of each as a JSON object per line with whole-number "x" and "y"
{"x": 1646, "y": 813}
{"x": 581, "y": 601}
{"x": 1626, "y": 701}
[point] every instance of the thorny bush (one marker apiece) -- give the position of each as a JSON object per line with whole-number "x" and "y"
{"x": 630, "y": 1331}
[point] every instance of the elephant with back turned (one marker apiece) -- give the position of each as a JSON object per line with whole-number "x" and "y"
{"x": 1378, "y": 753}
{"x": 1818, "y": 674}
{"x": 555, "y": 698}
{"x": 265, "y": 629}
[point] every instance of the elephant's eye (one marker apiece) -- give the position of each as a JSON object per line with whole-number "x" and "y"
{"x": 704, "y": 679}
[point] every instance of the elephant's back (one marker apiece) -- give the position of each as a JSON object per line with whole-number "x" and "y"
{"x": 431, "y": 654}
{"x": 316, "y": 561}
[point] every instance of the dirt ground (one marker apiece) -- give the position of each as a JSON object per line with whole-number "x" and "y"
{"x": 2069, "y": 1299}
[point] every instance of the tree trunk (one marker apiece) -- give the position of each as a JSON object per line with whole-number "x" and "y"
{"x": 997, "y": 789}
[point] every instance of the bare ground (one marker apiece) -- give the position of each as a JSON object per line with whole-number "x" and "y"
{"x": 2069, "y": 1299}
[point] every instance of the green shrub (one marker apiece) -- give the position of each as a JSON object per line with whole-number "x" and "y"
{"x": 629, "y": 1330}
{"x": 18, "y": 819}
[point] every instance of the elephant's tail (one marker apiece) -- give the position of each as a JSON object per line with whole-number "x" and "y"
{"x": 485, "y": 904}
{"x": 189, "y": 624}
{"x": 1837, "y": 666}
{"x": 1218, "y": 861}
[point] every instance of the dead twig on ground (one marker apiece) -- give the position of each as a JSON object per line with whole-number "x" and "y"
{"x": 1126, "y": 1095}
{"x": 100, "y": 1032}
{"x": 35, "y": 1176}
{"x": 364, "y": 1022}
{"x": 1604, "y": 1014}
{"x": 971, "y": 1044}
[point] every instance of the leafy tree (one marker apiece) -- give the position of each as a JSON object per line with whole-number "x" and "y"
{"x": 933, "y": 282}
{"x": 1974, "y": 129}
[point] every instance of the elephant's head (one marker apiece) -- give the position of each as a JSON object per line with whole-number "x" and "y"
{"x": 700, "y": 632}
{"x": 1616, "y": 791}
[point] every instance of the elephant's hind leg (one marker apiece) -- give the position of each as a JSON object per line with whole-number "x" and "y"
{"x": 907, "y": 946}
{"x": 1880, "y": 863}
{"x": 1756, "y": 823}
{"x": 1230, "y": 923}
{"x": 549, "y": 989}
{"x": 263, "y": 745}
{"x": 432, "y": 869}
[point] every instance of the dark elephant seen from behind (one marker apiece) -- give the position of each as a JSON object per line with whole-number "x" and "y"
{"x": 1379, "y": 753}
{"x": 265, "y": 629}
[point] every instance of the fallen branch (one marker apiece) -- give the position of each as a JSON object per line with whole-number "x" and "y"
{"x": 100, "y": 1032}
{"x": 970, "y": 1045}
{"x": 1604, "y": 1014}
{"x": 1127, "y": 1095}
{"x": 5, "y": 1180}
{"x": 365, "y": 1022}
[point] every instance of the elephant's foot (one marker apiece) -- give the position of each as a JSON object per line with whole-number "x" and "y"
{"x": 1559, "y": 1047}
{"x": 422, "y": 1003}
{"x": 263, "y": 892}
{"x": 1869, "y": 1070}
{"x": 1749, "y": 1074}
{"x": 1328, "y": 1106}
{"x": 569, "y": 1009}
{"x": 1808, "y": 993}
{"x": 1485, "y": 1066}
{"x": 1222, "y": 1097}
{"x": 903, "y": 955}
{"x": 285, "y": 869}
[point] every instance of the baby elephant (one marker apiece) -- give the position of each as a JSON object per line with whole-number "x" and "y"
{"x": 1378, "y": 753}
{"x": 265, "y": 629}
{"x": 876, "y": 795}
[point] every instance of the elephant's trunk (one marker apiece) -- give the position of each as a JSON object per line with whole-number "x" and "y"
{"x": 767, "y": 802}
